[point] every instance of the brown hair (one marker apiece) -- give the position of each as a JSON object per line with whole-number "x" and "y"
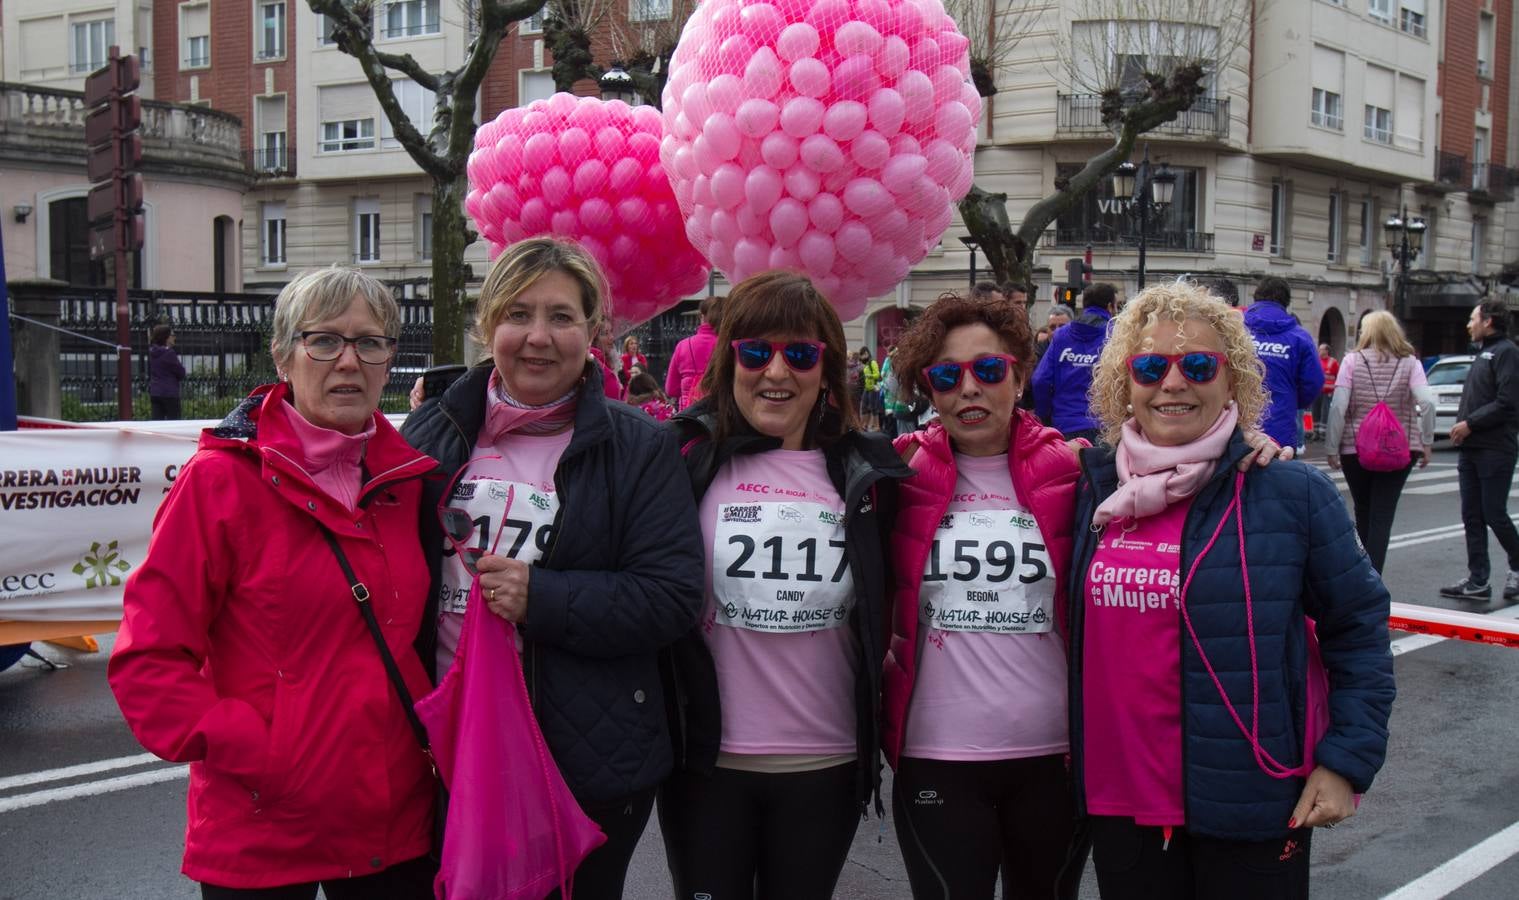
{"x": 780, "y": 303}
{"x": 522, "y": 264}
{"x": 919, "y": 346}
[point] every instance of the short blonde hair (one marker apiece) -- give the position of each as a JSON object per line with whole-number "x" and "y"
{"x": 523, "y": 263}
{"x": 1381, "y": 331}
{"x": 1180, "y": 303}
{"x": 322, "y": 294}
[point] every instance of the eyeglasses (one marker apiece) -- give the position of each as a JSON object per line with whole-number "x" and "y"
{"x": 755, "y": 354}
{"x": 1198, "y": 367}
{"x": 326, "y": 346}
{"x": 989, "y": 369}
{"x": 467, "y": 534}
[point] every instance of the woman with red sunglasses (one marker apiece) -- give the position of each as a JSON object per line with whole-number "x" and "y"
{"x": 778, "y": 685}
{"x": 1206, "y": 740}
{"x": 974, "y": 711}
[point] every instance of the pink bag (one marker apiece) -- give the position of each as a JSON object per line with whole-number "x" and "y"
{"x": 514, "y": 831}
{"x": 1381, "y": 443}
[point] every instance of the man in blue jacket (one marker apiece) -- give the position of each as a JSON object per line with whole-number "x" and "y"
{"x": 1064, "y": 374}
{"x": 1293, "y": 374}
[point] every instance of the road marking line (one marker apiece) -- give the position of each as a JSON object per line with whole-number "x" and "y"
{"x": 91, "y": 788}
{"x": 1430, "y": 534}
{"x": 1465, "y": 868}
{"x": 1420, "y": 641}
{"x": 92, "y": 768}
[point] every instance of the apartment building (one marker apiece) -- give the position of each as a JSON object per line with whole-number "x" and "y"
{"x": 56, "y": 44}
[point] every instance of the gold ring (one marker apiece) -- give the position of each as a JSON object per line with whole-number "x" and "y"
{"x": 492, "y": 595}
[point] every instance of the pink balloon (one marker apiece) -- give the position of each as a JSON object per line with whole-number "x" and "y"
{"x": 875, "y": 13}
{"x": 726, "y": 92}
{"x": 735, "y": 52}
{"x": 809, "y": 77}
{"x": 890, "y": 226}
{"x": 756, "y": 117}
{"x": 750, "y": 256}
{"x": 801, "y": 116}
{"x": 762, "y": 188}
{"x": 918, "y": 94}
{"x": 857, "y": 37}
{"x": 866, "y": 198}
{"x": 947, "y": 82}
{"x": 796, "y": 41}
{"x": 852, "y": 241}
{"x": 952, "y": 47}
{"x": 728, "y": 186}
{"x": 561, "y": 105}
{"x": 855, "y": 77}
{"x": 952, "y": 121}
{"x": 788, "y": 221}
{"x": 538, "y": 153}
{"x": 827, "y": 15}
{"x": 703, "y": 154}
{"x": 943, "y": 161}
{"x": 900, "y": 175}
{"x": 907, "y": 19}
{"x": 887, "y": 111}
{"x": 574, "y": 146}
{"x": 723, "y": 136}
{"x": 802, "y": 183}
{"x": 610, "y": 144}
{"x": 556, "y": 186}
{"x": 590, "y": 115}
{"x": 821, "y": 154}
{"x": 844, "y": 120}
{"x": 762, "y": 22}
{"x": 625, "y": 175}
{"x": 625, "y": 252}
{"x": 826, "y": 213}
{"x": 893, "y": 57}
{"x": 904, "y": 144}
{"x": 817, "y": 253}
{"x": 590, "y": 178}
{"x": 779, "y": 150}
{"x": 764, "y": 74}
{"x": 785, "y": 258}
{"x": 565, "y": 222}
{"x": 725, "y": 227}
{"x": 701, "y": 192}
{"x": 925, "y": 54}
{"x": 684, "y": 163}
{"x": 633, "y": 212}
{"x": 870, "y": 150}
{"x": 643, "y": 146}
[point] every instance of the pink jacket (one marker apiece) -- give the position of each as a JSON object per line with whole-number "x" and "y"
{"x": 687, "y": 365}
{"x": 1044, "y": 474}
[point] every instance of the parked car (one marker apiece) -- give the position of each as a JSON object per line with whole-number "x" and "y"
{"x": 1446, "y": 379}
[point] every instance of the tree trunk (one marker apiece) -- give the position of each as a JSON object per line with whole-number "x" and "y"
{"x": 450, "y": 236}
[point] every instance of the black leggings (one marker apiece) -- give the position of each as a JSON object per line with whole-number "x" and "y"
{"x": 1133, "y": 863}
{"x": 602, "y": 874}
{"x": 1375, "y": 497}
{"x": 960, "y": 823}
{"x": 738, "y": 835}
{"x": 403, "y": 881}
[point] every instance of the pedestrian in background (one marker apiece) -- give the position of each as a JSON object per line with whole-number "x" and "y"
{"x": 1383, "y": 369}
{"x": 1293, "y": 375}
{"x": 1331, "y": 367}
{"x": 631, "y": 358}
{"x": 1184, "y": 798}
{"x": 644, "y": 393}
{"x": 1487, "y": 433}
{"x": 241, "y": 649}
{"x": 974, "y": 699}
{"x": 688, "y": 362}
{"x": 1061, "y": 380}
{"x": 870, "y": 383}
{"x": 781, "y": 683}
{"x": 165, "y": 372}
{"x": 1060, "y": 315}
{"x": 599, "y": 563}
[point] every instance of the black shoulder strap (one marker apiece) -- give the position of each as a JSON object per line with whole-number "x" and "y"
{"x": 361, "y": 595}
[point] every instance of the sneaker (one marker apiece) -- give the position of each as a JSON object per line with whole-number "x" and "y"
{"x": 1465, "y": 589}
{"x": 1511, "y": 585}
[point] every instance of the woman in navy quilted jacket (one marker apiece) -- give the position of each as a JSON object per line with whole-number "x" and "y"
{"x": 1206, "y": 743}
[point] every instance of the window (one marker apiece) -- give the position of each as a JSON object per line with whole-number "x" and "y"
{"x": 195, "y": 26}
{"x": 535, "y": 86}
{"x": 422, "y": 223}
{"x": 1327, "y": 111}
{"x": 349, "y": 134}
{"x": 1368, "y": 232}
{"x": 366, "y": 230}
{"x": 532, "y": 24}
{"x": 1479, "y": 240}
{"x": 271, "y": 30}
{"x": 1380, "y": 9}
{"x": 1102, "y": 219}
{"x": 417, "y": 102}
{"x": 1411, "y": 17}
{"x": 408, "y": 18}
{"x": 1379, "y": 92}
{"x": 92, "y": 44}
{"x": 1479, "y": 159}
{"x": 1485, "y": 26}
{"x": 1278, "y": 218}
{"x": 648, "y": 10}
{"x": 270, "y": 150}
{"x": 1336, "y": 232}
{"x": 1378, "y": 124}
{"x": 1426, "y": 257}
{"x": 271, "y": 251}
{"x": 324, "y": 32}
{"x": 1408, "y": 114}
{"x": 1328, "y": 88}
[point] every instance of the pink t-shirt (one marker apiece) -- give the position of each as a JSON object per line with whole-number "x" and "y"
{"x": 526, "y": 463}
{"x": 992, "y": 669}
{"x": 1131, "y": 692}
{"x": 778, "y": 600}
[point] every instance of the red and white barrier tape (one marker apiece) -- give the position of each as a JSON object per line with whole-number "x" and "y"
{"x": 1452, "y": 623}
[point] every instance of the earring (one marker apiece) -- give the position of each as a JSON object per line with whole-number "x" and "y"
{"x": 1130, "y": 409}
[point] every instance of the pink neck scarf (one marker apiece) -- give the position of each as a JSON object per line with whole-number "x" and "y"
{"x": 505, "y": 415}
{"x": 1152, "y": 477}
{"x": 334, "y": 460}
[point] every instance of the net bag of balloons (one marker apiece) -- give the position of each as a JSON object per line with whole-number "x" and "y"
{"x": 821, "y": 136}
{"x": 588, "y": 170}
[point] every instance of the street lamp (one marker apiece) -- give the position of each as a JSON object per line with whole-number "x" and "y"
{"x": 617, "y": 84}
{"x": 972, "y": 245}
{"x": 1149, "y": 190}
{"x": 1405, "y": 241}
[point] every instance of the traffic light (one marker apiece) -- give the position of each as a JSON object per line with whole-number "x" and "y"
{"x": 1076, "y": 275}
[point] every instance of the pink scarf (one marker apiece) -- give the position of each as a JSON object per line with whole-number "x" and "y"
{"x": 1151, "y": 477}
{"x": 505, "y": 415}
{"x": 334, "y": 460}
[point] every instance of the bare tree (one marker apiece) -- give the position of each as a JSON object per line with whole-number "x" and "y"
{"x": 1143, "y": 61}
{"x": 994, "y": 30}
{"x": 442, "y": 151}
{"x": 642, "y": 40}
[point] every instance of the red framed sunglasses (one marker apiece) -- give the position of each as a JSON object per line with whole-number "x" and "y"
{"x": 755, "y": 354}
{"x": 989, "y": 369}
{"x": 1198, "y": 366}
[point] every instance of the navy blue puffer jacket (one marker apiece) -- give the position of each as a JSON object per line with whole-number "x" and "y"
{"x": 1304, "y": 559}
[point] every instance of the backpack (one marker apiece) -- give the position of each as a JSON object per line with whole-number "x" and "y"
{"x": 1381, "y": 443}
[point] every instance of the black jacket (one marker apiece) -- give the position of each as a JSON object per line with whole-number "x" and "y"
{"x": 1490, "y": 399}
{"x": 621, "y": 579}
{"x": 862, "y": 467}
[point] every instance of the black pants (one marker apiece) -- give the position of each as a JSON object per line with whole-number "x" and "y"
{"x": 1133, "y": 863}
{"x": 402, "y": 881}
{"x": 1375, "y": 496}
{"x": 602, "y": 874}
{"x": 738, "y": 835}
{"x": 960, "y": 823}
{"x": 1486, "y": 476}
{"x": 164, "y": 407}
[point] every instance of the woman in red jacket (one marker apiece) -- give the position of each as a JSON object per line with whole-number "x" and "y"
{"x": 631, "y": 357}
{"x": 974, "y": 708}
{"x": 241, "y": 649}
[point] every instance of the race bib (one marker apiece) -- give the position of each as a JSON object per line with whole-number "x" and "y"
{"x": 781, "y": 567}
{"x": 988, "y": 571}
{"x": 525, "y": 531}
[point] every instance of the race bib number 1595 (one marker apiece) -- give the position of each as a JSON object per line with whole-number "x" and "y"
{"x": 988, "y": 571}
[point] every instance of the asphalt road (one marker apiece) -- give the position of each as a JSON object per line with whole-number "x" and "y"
{"x": 1448, "y": 796}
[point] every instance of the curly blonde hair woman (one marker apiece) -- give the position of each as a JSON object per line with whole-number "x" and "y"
{"x": 1169, "y": 663}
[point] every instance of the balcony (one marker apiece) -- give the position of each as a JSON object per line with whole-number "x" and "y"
{"x": 1450, "y": 171}
{"x": 270, "y": 163}
{"x": 1106, "y": 237}
{"x": 1081, "y": 114}
{"x": 1491, "y": 183}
